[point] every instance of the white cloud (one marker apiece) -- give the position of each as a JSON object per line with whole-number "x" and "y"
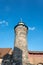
{"x": 0, "y": 22}
{"x": 32, "y": 28}
{"x": 7, "y": 23}
{"x": 3, "y": 22}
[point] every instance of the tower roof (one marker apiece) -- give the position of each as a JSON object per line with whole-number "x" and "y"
{"x": 21, "y": 23}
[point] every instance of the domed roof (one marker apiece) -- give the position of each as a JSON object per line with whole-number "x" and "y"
{"x": 21, "y": 23}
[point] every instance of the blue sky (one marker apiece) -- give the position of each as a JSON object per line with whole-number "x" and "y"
{"x": 31, "y": 12}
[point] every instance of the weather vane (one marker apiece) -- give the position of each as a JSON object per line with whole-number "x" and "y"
{"x": 21, "y": 20}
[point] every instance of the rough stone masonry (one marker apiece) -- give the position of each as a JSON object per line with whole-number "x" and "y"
{"x": 20, "y": 53}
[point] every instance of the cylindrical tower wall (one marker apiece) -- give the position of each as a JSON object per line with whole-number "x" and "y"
{"x": 20, "y": 46}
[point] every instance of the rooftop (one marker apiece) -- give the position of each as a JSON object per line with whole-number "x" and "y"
{"x": 4, "y": 51}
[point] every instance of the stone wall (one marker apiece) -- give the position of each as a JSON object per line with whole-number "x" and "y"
{"x": 20, "y": 46}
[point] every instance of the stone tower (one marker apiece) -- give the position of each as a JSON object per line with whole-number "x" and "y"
{"x": 20, "y": 53}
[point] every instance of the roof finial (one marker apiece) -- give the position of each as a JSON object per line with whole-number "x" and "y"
{"x": 21, "y": 20}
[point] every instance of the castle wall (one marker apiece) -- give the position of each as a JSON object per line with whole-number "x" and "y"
{"x": 35, "y": 58}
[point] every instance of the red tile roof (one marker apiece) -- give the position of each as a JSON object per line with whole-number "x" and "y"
{"x": 4, "y": 51}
